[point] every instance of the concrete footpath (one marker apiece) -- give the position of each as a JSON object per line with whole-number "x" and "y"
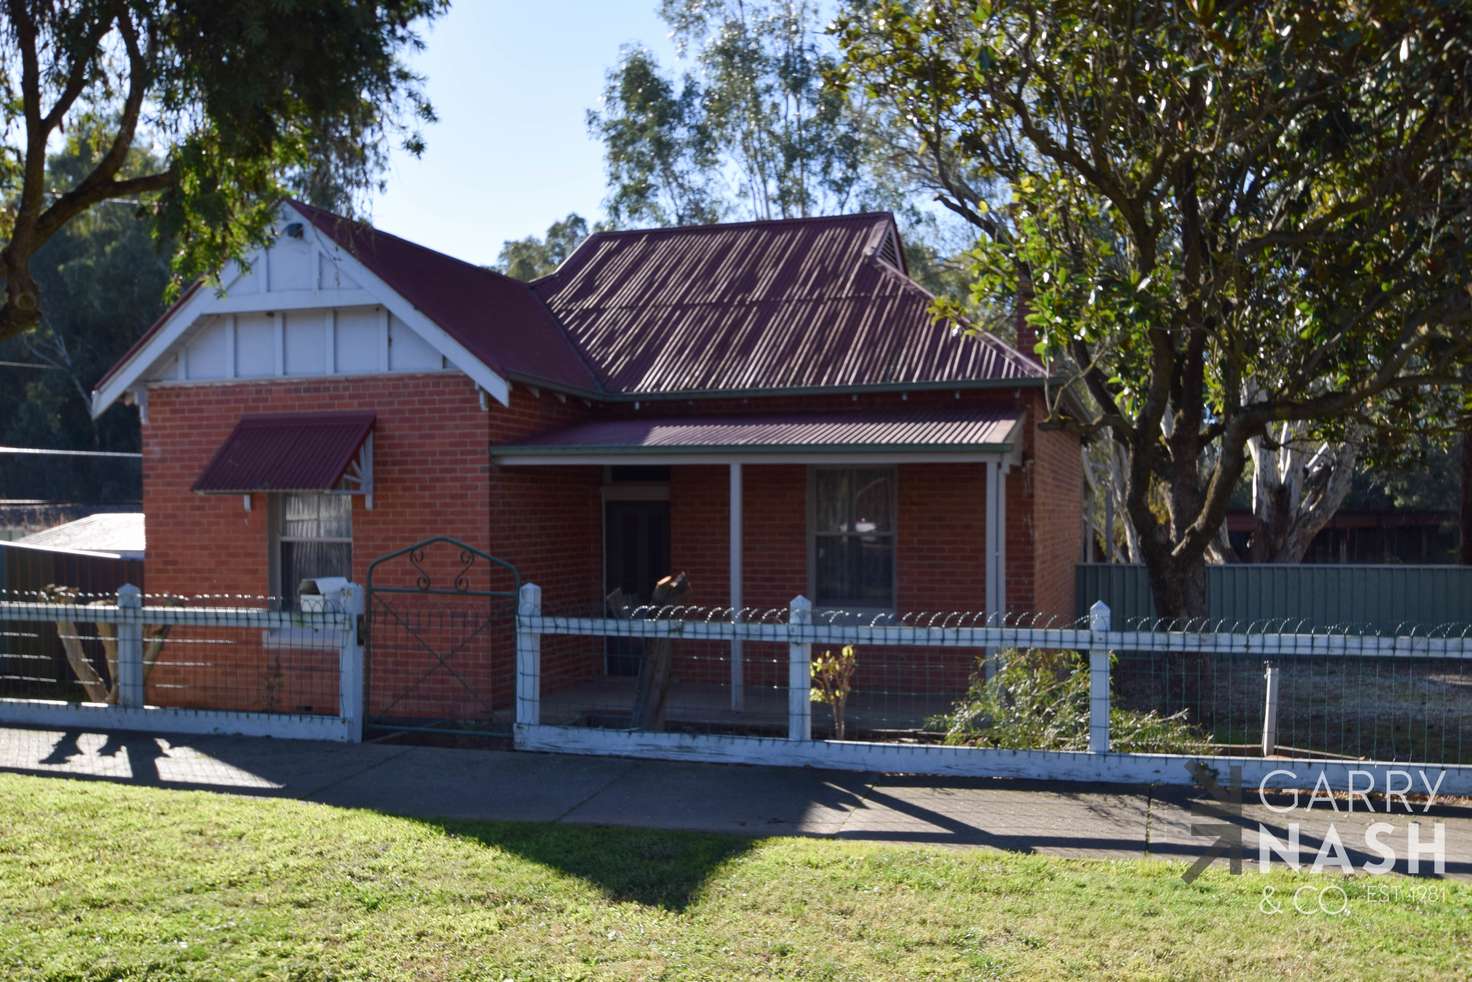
{"x": 431, "y": 782}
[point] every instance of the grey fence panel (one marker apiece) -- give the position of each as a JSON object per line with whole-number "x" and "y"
{"x": 25, "y": 569}
{"x": 1380, "y": 598}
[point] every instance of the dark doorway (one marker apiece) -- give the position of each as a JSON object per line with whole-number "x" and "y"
{"x": 636, "y": 554}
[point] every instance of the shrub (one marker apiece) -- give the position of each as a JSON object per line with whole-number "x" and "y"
{"x": 833, "y": 677}
{"x": 1039, "y": 700}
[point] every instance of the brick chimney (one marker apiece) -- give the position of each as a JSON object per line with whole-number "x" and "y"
{"x": 1027, "y": 338}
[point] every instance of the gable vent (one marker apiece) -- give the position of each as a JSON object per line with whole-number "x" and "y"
{"x": 889, "y": 252}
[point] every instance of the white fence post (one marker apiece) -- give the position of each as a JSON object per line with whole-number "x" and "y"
{"x": 1098, "y": 680}
{"x": 800, "y": 671}
{"x": 348, "y": 603}
{"x": 1270, "y": 710}
{"x": 130, "y": 647}
{"x": 528, "y": 657}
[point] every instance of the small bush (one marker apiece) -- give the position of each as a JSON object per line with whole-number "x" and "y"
{"x": 833, "y": 679}
{"x": 1039, "y": 700}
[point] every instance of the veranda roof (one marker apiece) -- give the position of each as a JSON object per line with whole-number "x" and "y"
{"x": 926, "y": 434}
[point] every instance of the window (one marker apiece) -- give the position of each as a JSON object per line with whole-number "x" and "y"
{"x": 314, "y": 537}
{"x": 853, "y": 537}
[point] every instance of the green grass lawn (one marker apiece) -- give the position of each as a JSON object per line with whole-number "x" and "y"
{"x": 106, "y": 881}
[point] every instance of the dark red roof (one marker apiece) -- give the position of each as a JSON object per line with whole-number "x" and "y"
{"x": 498, "y": 319}
{"x": 792, "y": 305}
{"x": 795, "y": 304}
{"x": 942, "y": 431}
{"x": 285, "y": 452}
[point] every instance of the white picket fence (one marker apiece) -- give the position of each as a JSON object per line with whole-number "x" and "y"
{"x": 1098, "y": 764}
{"x": 336, "y": 626}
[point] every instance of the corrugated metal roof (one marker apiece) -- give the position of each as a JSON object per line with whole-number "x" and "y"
{"x": 285, "y": 452}
{"x": 498, "y": 319}
{"x": 118, "y": 533}
{"x": 798, "y": 304}
{"x": 810, "y": 432}
{"x": 795, "y": 304}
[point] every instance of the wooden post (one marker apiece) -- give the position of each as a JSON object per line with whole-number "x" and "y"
{"x": 130, "y": 647}
{"x": 1098, "y": 679}
{"x": 652, "y": 696}
{"x": 1270, "y": 710}
{"x": 528, "y": 657}
{"x": 800, "y": 671}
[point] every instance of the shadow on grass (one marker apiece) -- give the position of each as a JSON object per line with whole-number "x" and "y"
{"x": 645, "y": 866}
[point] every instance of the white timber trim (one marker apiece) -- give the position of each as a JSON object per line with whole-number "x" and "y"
{"x": 436, "y": 336}
{"x": 165, "y": 719}
{"x": 329, "y": 340}
{"x": 942, "y": 761}
{"x": 291, "y": 300}
{"x": 231, "y": 339}
{"x": 1258, "y": 646}
{"x": 209, "y": 300}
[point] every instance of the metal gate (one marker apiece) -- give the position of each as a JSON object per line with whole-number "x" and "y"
{"x": 440, "y": 640}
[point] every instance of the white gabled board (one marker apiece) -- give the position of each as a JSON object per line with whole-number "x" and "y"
{"x": 302, "y": 307}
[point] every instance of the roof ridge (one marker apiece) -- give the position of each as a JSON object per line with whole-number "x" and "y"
{"x": 722, "y": 226}
{"x": 594, "y": 371}
{"x": 374, "y": 229}
{"x": 1008, "y": 351}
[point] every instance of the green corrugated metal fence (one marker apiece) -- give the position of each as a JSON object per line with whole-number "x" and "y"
{"x": 1378, "y": 598}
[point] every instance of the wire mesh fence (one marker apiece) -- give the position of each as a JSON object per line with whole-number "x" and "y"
{"x": 969, "y": 678}
{"x": 1350, "y": 693}
{"x": 216, "y": 652}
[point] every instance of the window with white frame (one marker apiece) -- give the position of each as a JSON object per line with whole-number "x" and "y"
{"x": 852, "y": 537}
{"x": 314, "y": 537}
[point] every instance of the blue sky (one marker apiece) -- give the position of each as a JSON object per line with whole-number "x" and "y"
{"x": 512, "y": 81}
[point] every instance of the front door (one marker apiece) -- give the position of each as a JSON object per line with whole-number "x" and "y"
{"x": 636, "y": 555}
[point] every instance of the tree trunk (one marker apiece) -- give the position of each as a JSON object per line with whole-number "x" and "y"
{"x": 652, "y": 695}
{"x": 1296, "y": 490}
{"x": 1181, "y": 680}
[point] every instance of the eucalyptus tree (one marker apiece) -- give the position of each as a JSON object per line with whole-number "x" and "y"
{"x": 531, "y": 257}
{"x": 239, "y": 101}
{"x": 751, "y": 130}
{"x": 1233, "y": 216}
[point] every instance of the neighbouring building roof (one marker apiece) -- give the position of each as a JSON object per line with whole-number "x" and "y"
{"x": 811, "y": 433}
{"x": 114, "y": 533}
{"x": 286, "y": 452}
{"x": 777, "y": 305}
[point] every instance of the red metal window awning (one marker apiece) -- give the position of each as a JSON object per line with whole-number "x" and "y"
{"x": 294, "y": 452}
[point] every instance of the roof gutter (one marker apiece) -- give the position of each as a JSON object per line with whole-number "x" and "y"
{"x": 534, "y": 455}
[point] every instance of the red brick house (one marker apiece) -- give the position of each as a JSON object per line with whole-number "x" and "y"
{"x": 767, "y": 406}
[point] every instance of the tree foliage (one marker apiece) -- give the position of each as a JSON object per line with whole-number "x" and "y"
{"x": 1039, "y": 700}
{"x": 531, "y": 257}
{"x": 244, "y": 101}
{"x": 751, "y": 131}
{"x": 102, "y": 279}
{"x": 1228, "y": 216}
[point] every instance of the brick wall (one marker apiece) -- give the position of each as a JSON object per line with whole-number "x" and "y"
{"x": 1057, "y": 509}
{"x": 433, "y": 476}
